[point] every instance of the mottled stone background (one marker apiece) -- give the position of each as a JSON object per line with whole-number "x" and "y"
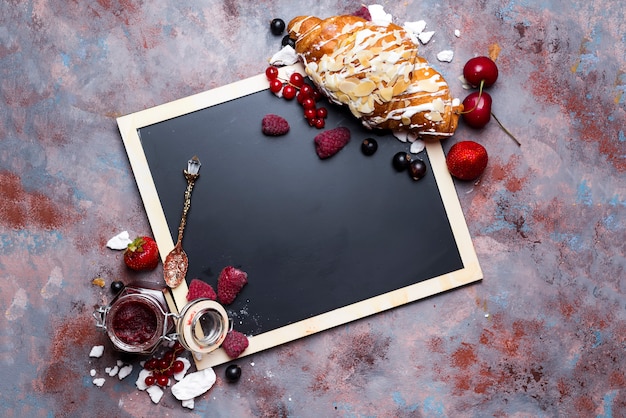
{"x": 544, "y": 334}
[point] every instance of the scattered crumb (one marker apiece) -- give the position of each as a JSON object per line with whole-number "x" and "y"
{"x": 445, "y": 56}
{"x": 92, "y": 372}
{"x": 494, "y": 51}
{"x": 425, "y": 37}
{"x": 457, "y": 33}
{"x": 125, "y": 371}
{"x": 188, "y": 403}
{"x": 98, "y": 281}
{"x": 99, "y": 381}
{"x": 96, "y": 351}
{"x": 112, "y": 371}
{"x": 155, "y": 392}
{"x": 286, "y": 56}
{"x": 120, "y": 241}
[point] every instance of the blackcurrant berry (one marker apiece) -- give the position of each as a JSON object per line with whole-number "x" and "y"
{"x": 369, "y": 146}
{"x": 288, "y": 41}
{"x": 401, "y": 161}
{"x": 277, "y": 26}
{"x": 232, "y": 373}
{"x": 417, "y": 169}
{"x": 117, "y": 286}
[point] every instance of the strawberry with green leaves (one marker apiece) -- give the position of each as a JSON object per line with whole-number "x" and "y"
{"x": 142, "y": 254}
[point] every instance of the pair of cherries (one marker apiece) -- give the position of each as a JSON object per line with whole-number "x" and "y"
{"x": 480, "y": 72}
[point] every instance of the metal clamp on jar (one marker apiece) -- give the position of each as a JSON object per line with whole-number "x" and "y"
{"x": 138, "y": 320}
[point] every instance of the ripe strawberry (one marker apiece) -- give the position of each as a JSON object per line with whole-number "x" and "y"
{"x": 330, "y": 142}
{"x": 274, "y": 125}
{"x": 142, "y": 254}
{"x": 200, "y": 289}
{"x": 234, "y": 344}
{"x": 467, "y": 160}
{"x": 229, "y": 284}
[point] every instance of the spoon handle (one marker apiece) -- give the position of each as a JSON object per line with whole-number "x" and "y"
{"x": 191, "y": 174}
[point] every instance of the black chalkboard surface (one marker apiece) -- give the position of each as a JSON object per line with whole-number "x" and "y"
{"x": 324, "y": 242}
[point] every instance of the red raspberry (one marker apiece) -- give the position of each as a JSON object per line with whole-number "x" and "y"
{"x": 364, "y": 13}
{"x": 229, "y": 284}
{"x": 199, "y": 289}
{"x": 234, "y": 344}
{"x": 330, "y": 142}
{"x": 274, "y": 125}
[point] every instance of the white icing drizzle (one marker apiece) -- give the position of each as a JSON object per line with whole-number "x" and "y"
{"x": 368, "y": 67}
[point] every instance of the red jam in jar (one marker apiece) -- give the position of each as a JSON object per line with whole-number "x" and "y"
{"x": 135, "y": 322}
{"x": 138, "y": 320}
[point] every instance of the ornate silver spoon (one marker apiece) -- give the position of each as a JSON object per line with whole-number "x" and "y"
{"x": 176, "y": 262}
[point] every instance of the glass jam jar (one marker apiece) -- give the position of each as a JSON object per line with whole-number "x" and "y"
{"x": 138, "y": 320}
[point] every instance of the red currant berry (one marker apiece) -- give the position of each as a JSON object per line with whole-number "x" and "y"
{"x": 310, "y": 114}
{"x": 296, "y": 79}
{"x": 308, "y": 103}
{"x": 150, "y": 364}
{"x": 322, "y": 113}
{"x": 306, "y": 90}
{"x": 178, "y": 366}
{"x": 163, "y": 364}
{"x": 169, "y": 357}
{"x": 271, "y": 72}
{"x": 316, "y": 95}
{"x": 320, "y": 123}
{"x": 162, "y": 380}
{"x": 301, "y": 97}
{"x": 289, "y": 92}
{"x": 178, "y": 347}
{"x": 150, "y": 380}
{"x": 276, "y": 85}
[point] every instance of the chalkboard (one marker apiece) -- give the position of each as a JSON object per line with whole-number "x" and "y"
{"x": 324, "y": 242}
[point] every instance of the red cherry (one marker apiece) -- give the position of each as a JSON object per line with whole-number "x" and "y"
{"x": 289, "y": 92}
{"x": 322, "y": 113}
{"x": 275, "y": 85}
{"x": 319, "y": 123}
{"x": 150, "y": 380}
{"x": 271, "y": 72}
{"x": 296, "y": 79}
{"x": 480, "y": 70}
{"x": 477, "y": 109}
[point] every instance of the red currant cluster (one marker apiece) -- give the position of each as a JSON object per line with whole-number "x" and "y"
{"x": 305, "y": 94}
{"x": 165, "y": 367}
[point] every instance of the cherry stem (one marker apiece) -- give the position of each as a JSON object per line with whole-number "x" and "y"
{"x": 480, "y": 93}
{"x": 506, "y": 130}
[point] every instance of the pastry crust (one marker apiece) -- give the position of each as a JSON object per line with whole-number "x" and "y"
{"x": 376, "y": 71}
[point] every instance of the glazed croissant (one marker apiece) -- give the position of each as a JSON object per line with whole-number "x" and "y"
{"x": 376, "y": 72}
